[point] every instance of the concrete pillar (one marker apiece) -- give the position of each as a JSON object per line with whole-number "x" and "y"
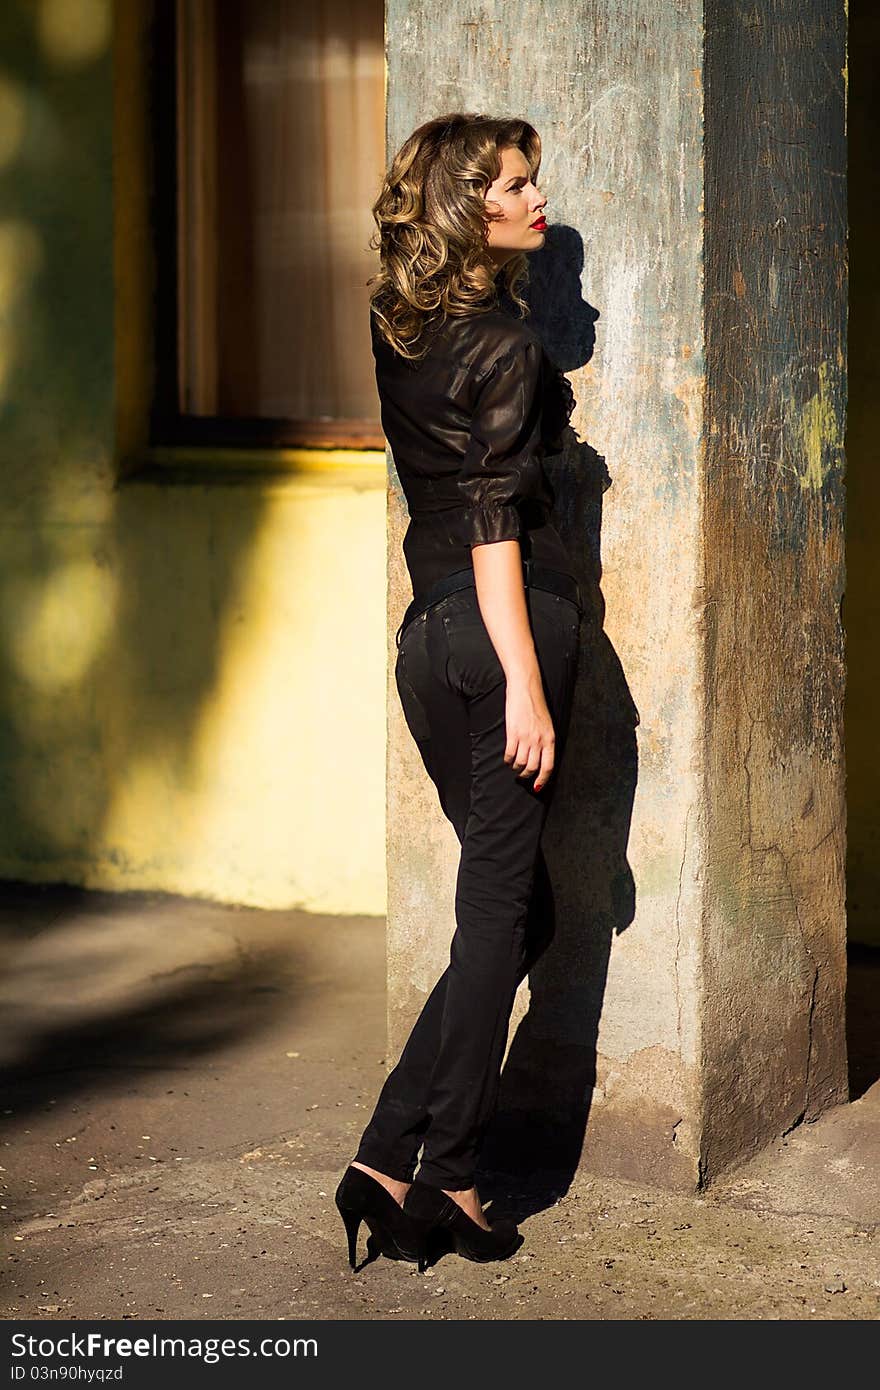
{"x": 693, "y": 286}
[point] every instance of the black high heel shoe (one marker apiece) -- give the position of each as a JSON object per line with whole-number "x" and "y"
{"x": 360, "y": 1197}
{"x": 430, "y": 1208}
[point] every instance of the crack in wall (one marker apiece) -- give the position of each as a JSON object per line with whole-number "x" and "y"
{"x": 802, "y": 931}
{"x": 678, "y": 930}
{"x": 753, "y": 720}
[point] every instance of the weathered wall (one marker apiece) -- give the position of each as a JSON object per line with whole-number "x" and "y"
{"x": 775, "y": 297}
{"x": 612, "y": 1024}
{"x": 691, "y": 1006}
{"x": 862, "y": 602}
{"x": 192, "y": 692}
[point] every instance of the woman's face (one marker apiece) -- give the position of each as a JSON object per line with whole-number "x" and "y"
{"x": 522, "y": 205}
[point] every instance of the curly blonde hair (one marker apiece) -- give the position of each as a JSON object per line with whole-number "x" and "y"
{"x": 433, "y": 226}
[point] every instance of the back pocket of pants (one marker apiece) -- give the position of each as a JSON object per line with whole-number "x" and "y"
{"x": 473, "y": 666}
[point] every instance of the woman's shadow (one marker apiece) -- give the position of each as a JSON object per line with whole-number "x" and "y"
{"x": 535, "y": 1142}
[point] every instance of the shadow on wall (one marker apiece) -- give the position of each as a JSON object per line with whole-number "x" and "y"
{"x": 550, "y": 1070}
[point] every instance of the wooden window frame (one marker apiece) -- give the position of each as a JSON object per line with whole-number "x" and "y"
{"x": 169, "y": 427}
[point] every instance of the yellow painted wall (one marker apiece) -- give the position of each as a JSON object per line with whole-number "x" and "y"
{"x": 192, "y": 663}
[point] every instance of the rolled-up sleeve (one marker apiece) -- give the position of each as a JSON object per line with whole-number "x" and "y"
{"x": 502, "y": 463}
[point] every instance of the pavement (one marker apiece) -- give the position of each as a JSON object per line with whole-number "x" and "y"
{"x": 186, "y": 1081}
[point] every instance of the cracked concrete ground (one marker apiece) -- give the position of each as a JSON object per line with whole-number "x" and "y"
{"x": 187, "y": 1081}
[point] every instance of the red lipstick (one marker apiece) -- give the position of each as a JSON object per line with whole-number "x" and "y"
{"x": 540, "y": 225}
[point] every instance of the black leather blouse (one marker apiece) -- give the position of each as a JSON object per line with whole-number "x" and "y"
{"x": 469, "y": 426}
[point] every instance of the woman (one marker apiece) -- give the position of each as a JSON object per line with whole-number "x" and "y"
{"x": 487, "y": 650}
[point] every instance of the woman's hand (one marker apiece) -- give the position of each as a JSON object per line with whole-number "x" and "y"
{"x": 531, "y": 740}
{"x": 501, "y": 596}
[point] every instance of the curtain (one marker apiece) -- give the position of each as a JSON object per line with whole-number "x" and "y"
{"x": 281, "y": 120}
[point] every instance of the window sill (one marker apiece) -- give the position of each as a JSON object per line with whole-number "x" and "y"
{"x": 187, "y": 466}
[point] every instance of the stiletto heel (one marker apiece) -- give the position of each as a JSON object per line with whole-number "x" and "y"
{"x": 430, "y": 1208}
{"x": 352, "y": 1221}
{"x": 360, "y": 1197}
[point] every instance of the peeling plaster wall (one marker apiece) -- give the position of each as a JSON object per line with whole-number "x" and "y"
{"x": 774, "y": 932}
{"x": 691, "y": 1007}
{"x": 606, "y": 1033}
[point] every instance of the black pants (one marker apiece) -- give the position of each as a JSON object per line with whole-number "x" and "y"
{"x": 452, "y": 687}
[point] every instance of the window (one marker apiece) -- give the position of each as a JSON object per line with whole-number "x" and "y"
{"x": 269, "y": 148}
